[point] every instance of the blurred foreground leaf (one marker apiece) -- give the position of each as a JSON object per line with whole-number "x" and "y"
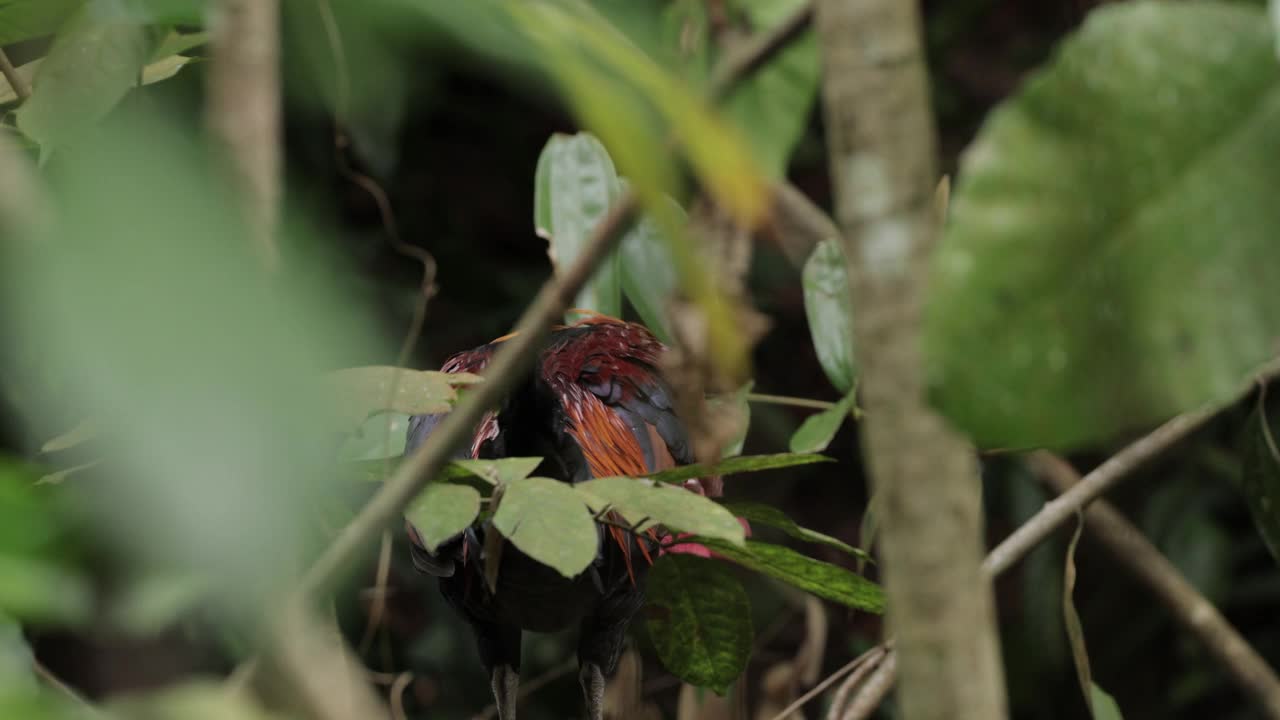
{"x": 699, "y": 619}
{"x": 1110, "y": 259}
{"x": 828, "y": 304}
{"x": 37, "y": 582}
{"x": 25, "y": 19}
{"x": 190, "y": 701}
{"x": 818, "y": 430}
{"x": 361, "y": 392}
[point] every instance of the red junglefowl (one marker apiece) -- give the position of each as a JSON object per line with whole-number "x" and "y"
{"x": 595, "y": 405}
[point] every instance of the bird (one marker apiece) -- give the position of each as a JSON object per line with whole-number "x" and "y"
{"x": 595, "y": 404}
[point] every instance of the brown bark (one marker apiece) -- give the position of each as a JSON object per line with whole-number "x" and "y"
{"x": 881, "y": 142}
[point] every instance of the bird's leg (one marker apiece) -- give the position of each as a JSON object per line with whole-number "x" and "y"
{"x": 505, "y": 682}
{"x": 592, "y": 679}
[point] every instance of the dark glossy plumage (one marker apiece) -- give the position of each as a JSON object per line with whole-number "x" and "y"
{"x": 595, "y": 405}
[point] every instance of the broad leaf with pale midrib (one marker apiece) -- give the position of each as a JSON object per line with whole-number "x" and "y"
{"x": 1111, "y": 258}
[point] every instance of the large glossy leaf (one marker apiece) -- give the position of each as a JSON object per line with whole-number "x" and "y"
{"x": 1260, "y": 476}
{"x": 91, "y": 65}
{"x": 361, "y": 392}
{"x": 23, "y": 19}
{"x": 818, "y": 430}
{"x": 699, "y": 619}
{"x": 574, "y": 187}
{"x": 734, "y": 465}
{"x": 828, "y": 305}
{"x": 825, "y": 580}
{"x": 678, "y": 509}
{"x": 1111, "y": 256}
{"x": 760, "y": 514}
{"x": 441, "y": 511}
{"x": 549, "y": 522}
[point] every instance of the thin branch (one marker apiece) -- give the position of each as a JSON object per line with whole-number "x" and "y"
{"x": 756, "y": 51}
{"x": 244, "y": 111}
{"x": 874, "y": 690}
{"x": 1063, "y": 508}
{"x": 48, "y": 678}
{"x": 16, "y": 81}
{"x": 1103, "y": 478}
{"x": 839, "y": 699}
{"x": 790, "y": 401}
{"x": 1191, "y": 609}
{"x": 828, "y": 681}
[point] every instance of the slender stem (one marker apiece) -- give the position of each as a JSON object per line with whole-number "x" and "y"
{"x": 833, "y": 678}
{"x": 48, "y": 678}
{"x": 1058, "y": 511}
{"x": 1191, "y": 609}
{"x": 16, "y": 81}
{"x": 749, "y": 56}
{"x": 791, "y": 401}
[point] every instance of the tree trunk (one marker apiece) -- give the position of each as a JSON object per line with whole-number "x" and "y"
{"x": 881, "y": 143}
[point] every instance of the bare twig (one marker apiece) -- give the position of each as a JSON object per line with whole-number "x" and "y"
{"x": 791, "y": 401}
{"x": 840, "y": 698}
{"x": 1102, "y": 478}
{"x": 48, "y": 678}
{"x": 396, "y": 695}
{"x": 1191, "y": 609}
{"x": 243, "y": 110}
{"x": 16, "y": 81}
{"x": 533, "y": 686}
{"x": 874, "y": 690}
{"x": 829, "y": 680}
{"x": 756, "y": 51}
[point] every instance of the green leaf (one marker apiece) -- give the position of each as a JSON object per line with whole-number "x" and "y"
{"x": 772, "y": 105}
{"x": 674, "y": 507}
{"x": 15, "y": 658}
{"x": 1104, "y": 706}
{"x": 176, "y": 43}
{"x": 828, "y": 304}
{"x": 825, "y": 580}
{"x": 760, "y": 514}
{"x": 361, "y": 392}
{"x": 193, "y": 700}
{"x": 732, "y": 466}
{"x": 441, "y": 511}
{"x": 36, "y": 581}
{"x": 817, "y": 430}
{"x": 1260, "y": 475}
{"x": 497, "y": 472}
{"x": 92, "y": 64}
{"x": 699, "y": 619}
{"x": 649, "y": 271}
{"x": 1071, "y": 618}
{"x": 549, "y": 522}
{"x": 1111, "y": 258}
{"x": 380, "y": 436}
{"x": 574, "y": 186}
{"x": 25, "y": 19}
{"x": 150, "y": 604}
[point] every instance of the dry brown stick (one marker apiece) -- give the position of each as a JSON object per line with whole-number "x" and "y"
{"x": 16, "y": 81}
{"x": 828, "y": 681}
{"x": 874, "y": 690}
{"x": 839, "y": 699}
{"x": 1101, "y": 479}
{"x": 882, "y": 162}
{"x": 757, "y": 50}
{"x": 1191, "y": 609}
{"x": 243, "y": 111}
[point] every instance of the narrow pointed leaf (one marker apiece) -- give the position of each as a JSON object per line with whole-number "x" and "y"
{"x": 549, "y": 522}
{"x": 735, "y": 465}
{"x": 1260, "y": 476}
{"x": 674, "y": 507}
{"x": 825, "y": 580}
{"x": 818, "y": 430}
{"x": 828, "y": 305}
{"x": 699, "y": 619}
{"x": 1104, "y": 706}
{"x": 441, "y": 511}
{"x": 760, "y": 514}
{"x": 648, "y": 271}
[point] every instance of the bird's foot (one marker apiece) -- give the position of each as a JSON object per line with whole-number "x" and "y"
{"x": 592, "y": 680}
{"x": 505, "y": 682}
